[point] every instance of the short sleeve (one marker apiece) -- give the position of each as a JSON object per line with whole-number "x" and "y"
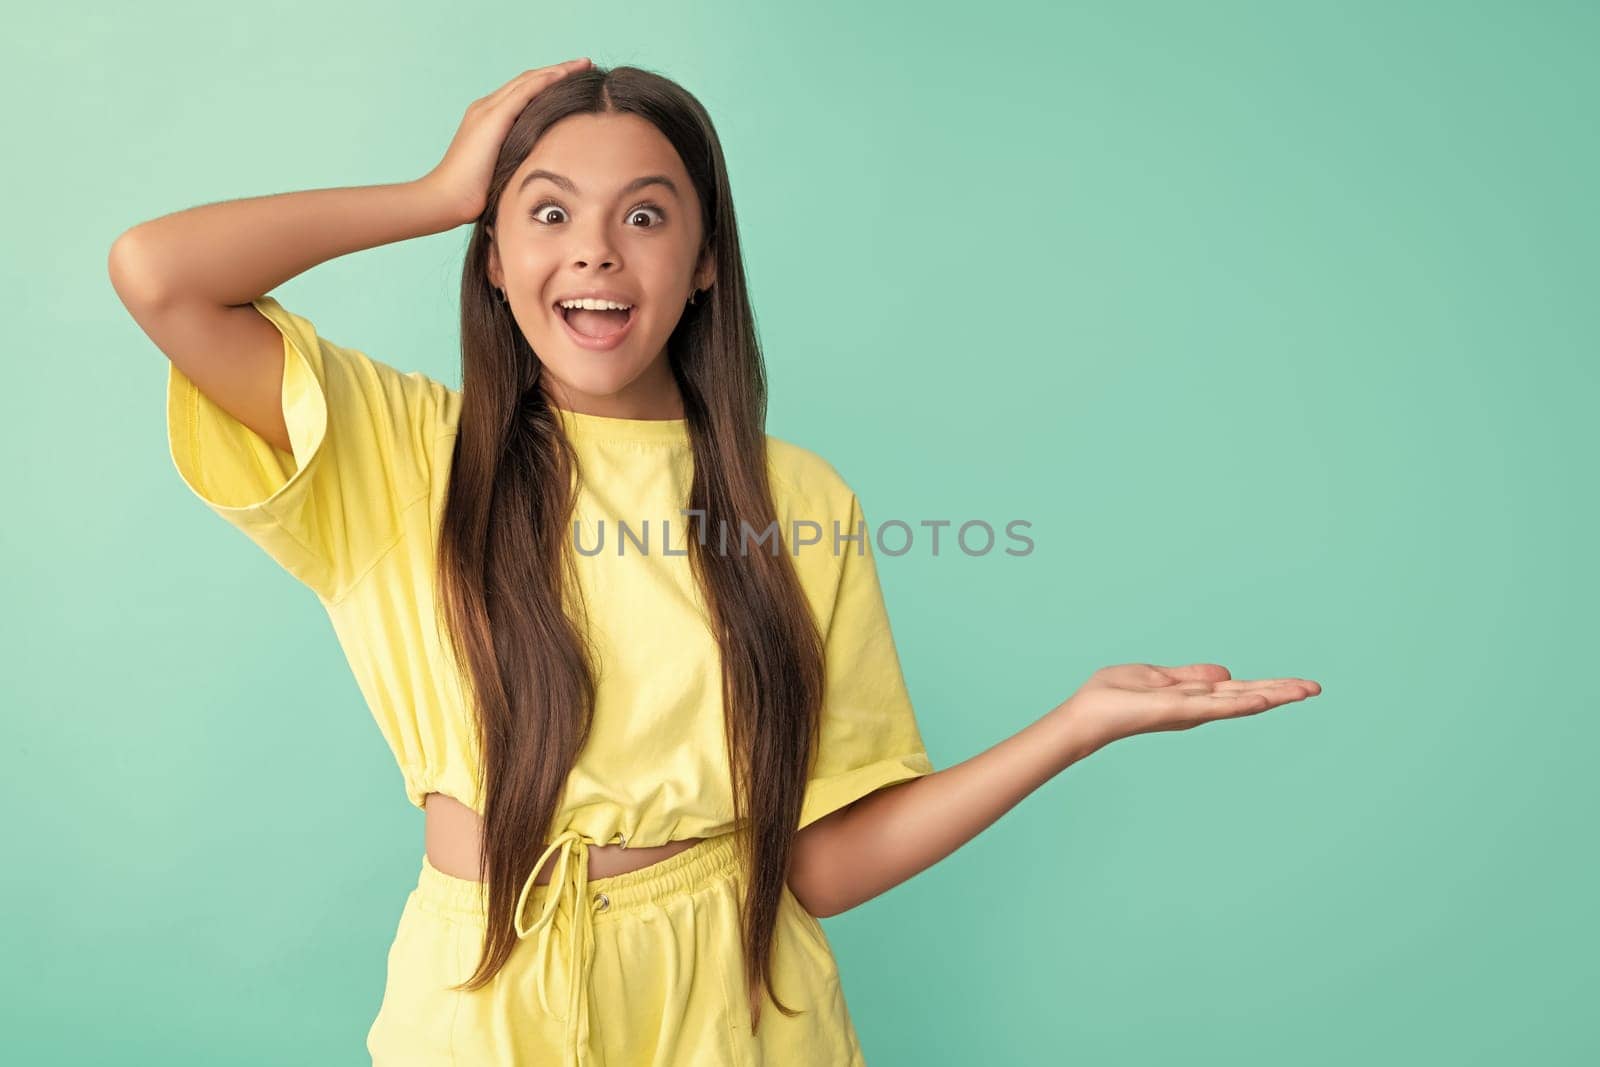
{"x": 360, "y": 431}
{"x": 869, "y": 732}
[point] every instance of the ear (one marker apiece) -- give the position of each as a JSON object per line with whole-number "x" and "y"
{"x": 705, "y": 272}
{"x": 496, "y": 278}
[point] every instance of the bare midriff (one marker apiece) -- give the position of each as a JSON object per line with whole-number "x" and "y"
{"x": 454, "y": 835}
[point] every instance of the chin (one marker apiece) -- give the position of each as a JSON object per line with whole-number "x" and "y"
{"x": 591, "y": 378}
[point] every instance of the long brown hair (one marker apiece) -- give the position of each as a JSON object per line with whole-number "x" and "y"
{"x": 508, "y": 584}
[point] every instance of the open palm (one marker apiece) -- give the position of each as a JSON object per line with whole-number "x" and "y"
{"x": 1141, "y": 698}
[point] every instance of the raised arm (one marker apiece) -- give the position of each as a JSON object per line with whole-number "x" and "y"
{"x": 188, "y": 279}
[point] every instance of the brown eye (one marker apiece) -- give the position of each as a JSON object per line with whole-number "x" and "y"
{"x": 536, "y": 213}
{"x": 533, "y": 213}
{"x": 649, "y": 207}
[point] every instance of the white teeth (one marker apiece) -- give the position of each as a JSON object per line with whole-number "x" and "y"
{"x": 595, "y": 305}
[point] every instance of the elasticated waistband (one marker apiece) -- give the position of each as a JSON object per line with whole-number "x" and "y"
{"x": 711, "y": 859}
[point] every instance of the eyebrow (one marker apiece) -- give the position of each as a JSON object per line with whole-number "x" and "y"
{"x": 566, "y": 183}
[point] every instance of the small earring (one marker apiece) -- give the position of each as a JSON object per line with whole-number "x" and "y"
{"x": 692, "y": 296}
{"x": 500, "y": 295}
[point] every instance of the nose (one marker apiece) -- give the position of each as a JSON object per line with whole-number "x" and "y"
{"x": 593, "y": 247}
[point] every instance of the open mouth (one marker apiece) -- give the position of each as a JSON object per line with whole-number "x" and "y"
{"x": 596, "y": 329}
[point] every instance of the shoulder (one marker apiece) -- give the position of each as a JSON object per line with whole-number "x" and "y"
{"x": 805, "y": 476}
{"x": 412, "y": 400}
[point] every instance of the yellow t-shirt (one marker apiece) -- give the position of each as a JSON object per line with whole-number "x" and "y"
{"x": 353, "y": 513}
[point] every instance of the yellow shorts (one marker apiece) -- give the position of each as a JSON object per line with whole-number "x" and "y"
{"x": 664, "y": 978}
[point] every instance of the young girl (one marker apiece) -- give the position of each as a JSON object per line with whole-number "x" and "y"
{"x": 650, "y": 758}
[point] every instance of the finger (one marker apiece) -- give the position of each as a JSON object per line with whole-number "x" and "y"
{"x": 539, "y": 76}
{"x": 1235, "y": 704}
{"x": 1304, "y": 686}
{"x": 1287, "y": 688}
{"x": 1196, "y": 672}
{"x": 1274, "y": 695}
{"x": 510, "y": 86}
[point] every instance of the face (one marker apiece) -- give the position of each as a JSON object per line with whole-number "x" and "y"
{"x": 590, "y": 227}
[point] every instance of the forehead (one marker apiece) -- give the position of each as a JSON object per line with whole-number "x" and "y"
{"x": 602, "y": 153}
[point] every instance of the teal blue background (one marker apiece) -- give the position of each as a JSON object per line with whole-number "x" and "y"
{"x": 1269, "y": 318}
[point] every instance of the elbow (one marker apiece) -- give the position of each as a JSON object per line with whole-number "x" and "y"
{"x": 136, "y": 283}
{"x": 827, "y": 912}
{"x": 802, "y": 895}
{"x": 813, "y": 865}
{"x": 816, "y": 906}
{"x": 806, "y": 888}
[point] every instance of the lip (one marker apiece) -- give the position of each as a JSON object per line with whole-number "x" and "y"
{"x": 598, "y": 344}
{"x": 597, "y": 294}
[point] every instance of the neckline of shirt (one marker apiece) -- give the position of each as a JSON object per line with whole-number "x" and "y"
{"x": 584, "y": 426}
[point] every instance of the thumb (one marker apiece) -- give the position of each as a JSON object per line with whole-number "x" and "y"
{"x": 1191, "y": 672}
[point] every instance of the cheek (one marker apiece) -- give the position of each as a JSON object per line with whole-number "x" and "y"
{"x": 529, "y": 264}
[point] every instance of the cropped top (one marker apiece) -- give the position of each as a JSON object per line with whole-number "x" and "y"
{"x": 353, "y": 513}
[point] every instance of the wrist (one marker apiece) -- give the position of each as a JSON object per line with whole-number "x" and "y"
{"x": 443, "y": 205}
{"x": 1073, "y": 736}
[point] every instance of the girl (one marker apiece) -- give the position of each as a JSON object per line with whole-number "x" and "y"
{"x": 650, "y": 759}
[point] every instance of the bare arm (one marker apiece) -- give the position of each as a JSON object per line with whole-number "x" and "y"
{"x": 231, "y": 252}
{"x": 226, "y": 254}
{"x": 188, "y": 279}
{"x": 892, "y": 834}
